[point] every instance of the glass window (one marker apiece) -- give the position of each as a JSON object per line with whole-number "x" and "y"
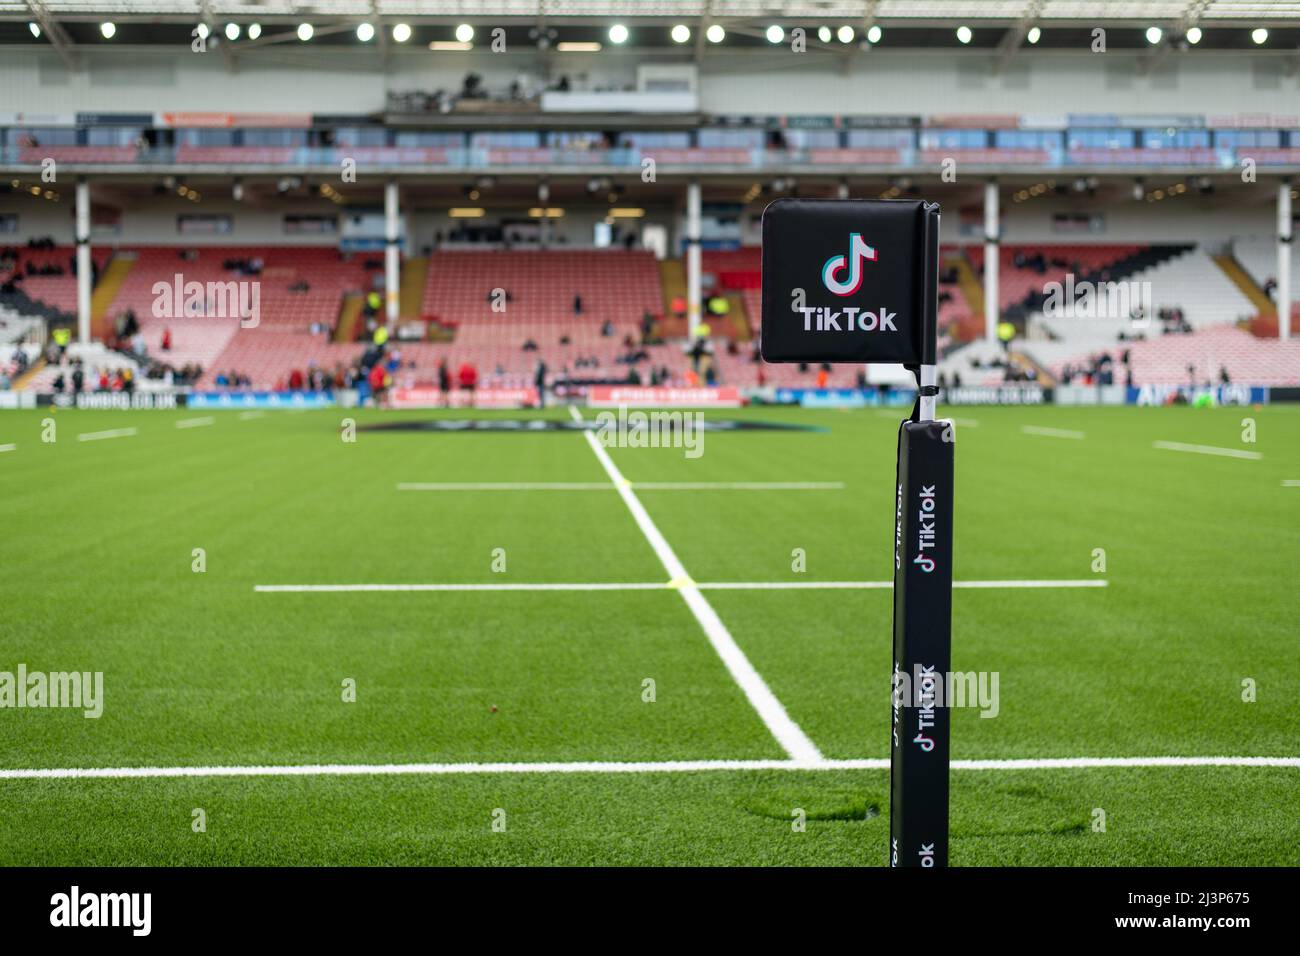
{"x": 732, "y": 138}
{"x": 954, "y": 139}
{"x": 275, "y": 137}
{"x": 205, "y": 137}
{"x": 880, "y": 138}
{"x": 811, "y": 138}
{"x": 113, "y": 135}
{"x": 424, "y": 140}
{"x": 1175, "y": 138}
{"x": 1101, "y": 139}
{"x": 360, "y": 136}
{"x": 522, "y": 139}
{"x": 1251, "y": 137}
{"x": 43, "y": 137}
{"x": 1025, "y": 139}
{"x": 653, "y": 140}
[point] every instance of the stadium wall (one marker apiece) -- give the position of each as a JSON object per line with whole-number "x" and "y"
{"x": 289, "y": 78}
{"x": 1209, "y": 221}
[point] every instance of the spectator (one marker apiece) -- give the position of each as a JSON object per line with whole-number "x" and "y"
{"x": 539, "y": 382}
{"x": 444, "y": 381}
{"x": 379, "y": 380}
{"x": 468, "y": 376}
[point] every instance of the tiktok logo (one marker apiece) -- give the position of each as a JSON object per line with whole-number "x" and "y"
{"x": 859, "y": 251}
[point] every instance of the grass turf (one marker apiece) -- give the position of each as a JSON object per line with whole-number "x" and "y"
{"x": 199, "y": 669}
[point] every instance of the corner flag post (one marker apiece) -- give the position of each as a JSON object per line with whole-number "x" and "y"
{"x": 857, "y": 281}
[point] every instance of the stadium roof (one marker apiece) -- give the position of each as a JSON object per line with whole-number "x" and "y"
{"x": 887, "y": 11}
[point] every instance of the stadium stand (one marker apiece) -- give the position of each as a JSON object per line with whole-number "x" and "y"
{"x": 617, "y": 286}
{"x": 1025, "y": 269}
{"x": 1170, "y": 359}
{"x": 57, "y": 287}
{"x": 1259, "y": 258}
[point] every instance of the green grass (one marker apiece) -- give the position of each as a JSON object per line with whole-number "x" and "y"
{"x": 201, "y": 670}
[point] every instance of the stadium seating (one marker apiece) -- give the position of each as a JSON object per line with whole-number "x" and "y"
{"x": 1164, "y": 359}
{"x": 57, "y": 291}
{"x": 328, "y": 274}
{"x": 1259, "y": 258}
{"x": 1192, "y": 282}
{"x": 1018, "y": 283}
{"x": 616, "y": 285}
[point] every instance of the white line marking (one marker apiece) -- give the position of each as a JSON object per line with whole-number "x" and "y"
{"x": 881, "y": 585}
{"x": 1286, "y": 482}
{"x": 1207, "y": 450}
{"x": 9, "y": 447}
{"x": 739, "y": 485}
{"x": 326, "y": 588}
{"x": 603, "y": 486}
{"x": 111, "y": 433}
{"x": 795, "y": 742}
{"x": 246, "y": 416}
{"x": 612, "y": 766}
{"x": 1050, "y": 432}
{"x": 503, "y": 486}
{"x": 665, "y": 586}
{"x": 195, "y": 422}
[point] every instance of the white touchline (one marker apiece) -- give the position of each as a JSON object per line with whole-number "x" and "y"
{"x": 1050, "y": 432}
{"x": 739, "y": 485}
{"x": 111, "y": 433}
{"x": 787, "y": 733}
{"x": 503, "y": 486}
{"x": 1207, "y": 450}
{"x": 614, "y": 766}
{"x": 1286, "y": 482}
{"x": 605, "y": 486}
{"x": 195, "y": 422}
{"x": 663, "y": 586}
{"x": 246, "y": 416}
{"x": 326, "y": 588}
{"x": 882, "y": 585}
{"x": 9, "y": 447}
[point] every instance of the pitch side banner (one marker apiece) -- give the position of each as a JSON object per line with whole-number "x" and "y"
{"x": 850, "y": 280}
{"x": 612, "y": 396}
{"x": 422, "y": 397}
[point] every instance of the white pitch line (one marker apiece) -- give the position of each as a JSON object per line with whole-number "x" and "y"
{"x": 612, "y": 766}
{"x": 787, "y": 733}
{"x": 1286, "y": 482}
{"x": 739, "y": 485}
{"x": 9, "y": 447}
{"x": 882, "y": 585}
{"x": 335, "y": 588}
{"x": 195, "y": 422}
{"x": 1043, "y": 432}
{"x": 1207, "y": 450}
{"x": 664, "y": 586}
{"x": 503, "y": 486}
{"x": 110, "y": 433}
{"x": 247, "y": 416}
{"x": 605, "y": 486}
